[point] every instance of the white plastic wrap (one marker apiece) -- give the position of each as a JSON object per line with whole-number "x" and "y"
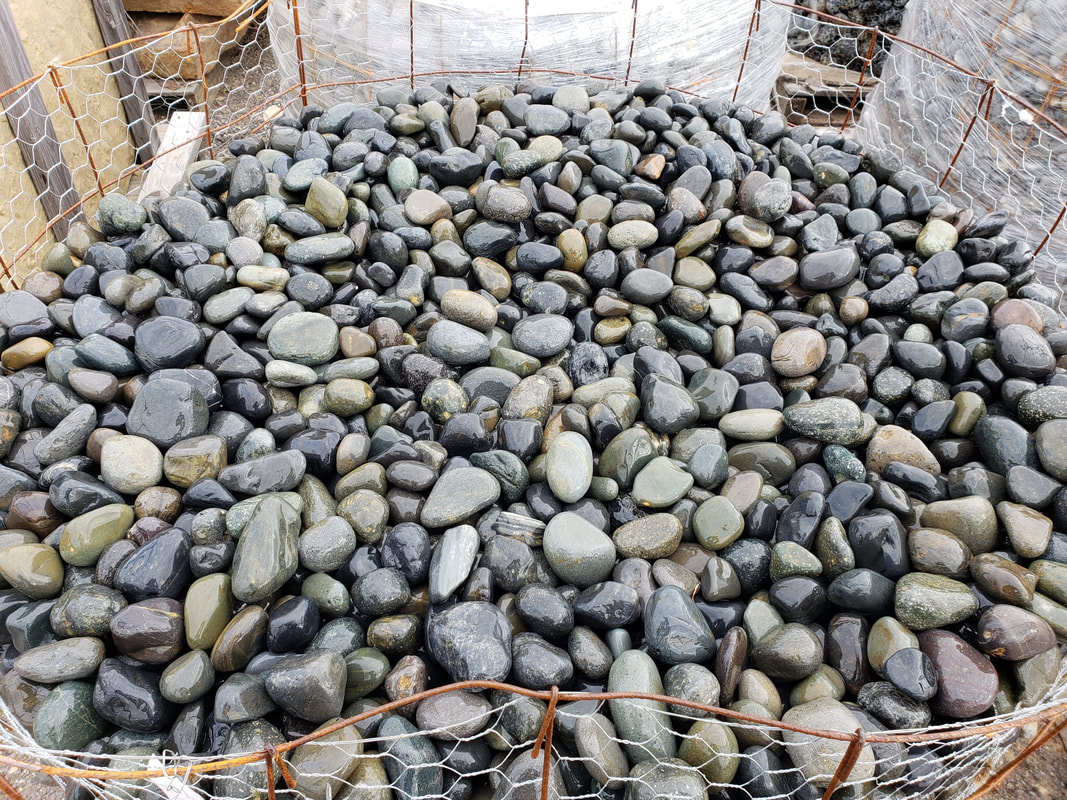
{"x": 694, "y": 46}
{"x": 1011, "y": 157}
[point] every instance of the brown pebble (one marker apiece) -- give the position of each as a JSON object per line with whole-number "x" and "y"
{"x": 158, "y": 501}
{"x": 386, "y": 332}
{"x": 146, "y": 529}
{"x": 356, "y": 344}
{"x": 1015, "y": 312}
{"x": 729, "y": 661}
{"x": 797, "y": 352}
{"x": 651, "y": 166}
{"x": 32, "y": 511}
{"x": 45, "y": 286}
{"x": 22, "y": 354}
{"x": 96, "y": 442}
{"x": 853, "y": 310}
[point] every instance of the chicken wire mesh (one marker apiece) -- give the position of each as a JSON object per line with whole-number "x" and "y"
{"x": 244, "y": 70}
{"x": 506, "y": 741}
{"x": 984, "y": 117}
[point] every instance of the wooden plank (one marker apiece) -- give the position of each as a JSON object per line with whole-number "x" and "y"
{"x": 168, "y": 168}
{"x": 29, "y": 120}
{"x": 212, "y": 8}
{"x": 112, "y": 19}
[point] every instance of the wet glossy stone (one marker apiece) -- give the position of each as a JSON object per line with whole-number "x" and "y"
{"x": 66, "y": 719}
{"x": 967, "y": 682}
{"x": 130, "y": 698}
{"x": 675, "y": 630}
{"x": 152, "y": 631}
{"x": 792, "y": 652}
{"x": 1013, "y": 634}
{"x": 643, "y": 725}
{"x": 310, "y": 686}
{"x": 578, "y": 552}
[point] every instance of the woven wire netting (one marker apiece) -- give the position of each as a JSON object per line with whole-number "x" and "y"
{"x": 496, "y": 747}
{"x": 955, "y": 126}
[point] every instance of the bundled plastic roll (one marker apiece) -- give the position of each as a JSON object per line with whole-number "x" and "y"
{"x": 695, "y": 46}
{"x": 1014, "y": 148}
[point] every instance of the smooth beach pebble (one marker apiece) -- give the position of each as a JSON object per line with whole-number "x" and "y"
{"x": 581, "y": 387}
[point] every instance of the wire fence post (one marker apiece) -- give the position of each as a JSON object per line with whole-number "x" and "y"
{"x": 543, "y": 743}
{"x": 525, "y": 36}
{"x": 9, "y": 789}
{"x": 753, "y": 27}
{"x": 299, "y": 38}
{"x": 64, "y": 98}
{"x": 987, "y": 100}
{"x": 847, "y": 763}
{"x": 203, "y": 83}
{"x": 875, "y": 34}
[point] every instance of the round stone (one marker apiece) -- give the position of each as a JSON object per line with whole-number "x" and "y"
{"x": 304, "y": 338}
{"x": 569, "y": 466}
{"x": 578, "y": 552}
{"x": 130, "y": 464}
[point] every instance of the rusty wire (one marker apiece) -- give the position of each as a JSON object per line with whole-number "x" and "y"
{"x": 1054, "y": 719}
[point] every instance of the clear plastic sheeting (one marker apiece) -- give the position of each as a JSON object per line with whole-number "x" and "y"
{"x": 985, "y": 117}
{"x": 694, "y": 46}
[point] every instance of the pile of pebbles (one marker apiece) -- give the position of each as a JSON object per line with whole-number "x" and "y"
{"x": 588, "y": 387}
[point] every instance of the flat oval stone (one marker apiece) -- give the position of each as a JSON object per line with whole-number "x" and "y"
{"x": 569, "y": 466}
{"x": 454, "y": 716}
{"x": 304, "y": 338}
{"x": 208, "y": 609}
{"x": 578, "y": 552}
{"x": 456, "y": 344}
{"x": 130, "y": 464}
{"x": 661, "y": 483}
{"x": 458, "y": 495}
{"x": 452, "y": 561}
{"x": 650, "y": 537}
{"x": 542, "y": 335}
{"x": 66, "y": 660}
{"x": 86, "y": 536}
{"x": 797, "y": 352}
{"x": 925, "y": 601}
{"x": 643, "y": 725}
{"x": 187, "y": 678}
{"x": 267, "y": 552}
{"x": 790, "y": 653}
{"x": 33, "y": 569}
{"x": 972, "y": 519}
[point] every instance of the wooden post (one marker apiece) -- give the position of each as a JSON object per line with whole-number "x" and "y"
{"x": 111, "y": 18}
{"x": 28, "y": 117}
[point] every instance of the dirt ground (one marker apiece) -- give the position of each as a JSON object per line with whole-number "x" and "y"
{"x": 1043, "y": 775}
